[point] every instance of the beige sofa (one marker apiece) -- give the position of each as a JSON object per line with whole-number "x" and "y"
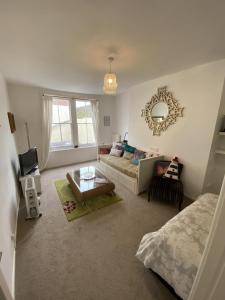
{"x": 121, "y": 170}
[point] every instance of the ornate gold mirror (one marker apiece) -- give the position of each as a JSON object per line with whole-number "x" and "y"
{"x": 161, "y": 111}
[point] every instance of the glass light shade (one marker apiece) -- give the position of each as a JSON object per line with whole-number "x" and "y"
{"x": 110, "y": 84}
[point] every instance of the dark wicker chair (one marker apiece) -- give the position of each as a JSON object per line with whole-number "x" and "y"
{"x": 163, "y": 188}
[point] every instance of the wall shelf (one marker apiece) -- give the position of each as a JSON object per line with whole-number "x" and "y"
{"x": 220, "y": 151}
{"x": 221, "y": 133}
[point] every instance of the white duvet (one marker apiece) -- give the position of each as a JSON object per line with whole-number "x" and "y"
{"x": 175, "y": 250}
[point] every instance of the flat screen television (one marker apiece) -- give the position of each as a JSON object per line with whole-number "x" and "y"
{"x": 28, "y": 161}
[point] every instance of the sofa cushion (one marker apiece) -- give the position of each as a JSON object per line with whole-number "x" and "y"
{"x": 104, "y": 150}
{"x": 117, "y": 146}
{"x": 115, "y": 152}
{"x": 139, "y": 154}
{"x": 128, "y": 155}
{"x": 121, "y": 164}
{"x": 135, "y": 162}
{"x": 129, "y": 148}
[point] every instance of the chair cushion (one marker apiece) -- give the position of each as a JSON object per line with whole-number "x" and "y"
{"x": 161, "y": 166}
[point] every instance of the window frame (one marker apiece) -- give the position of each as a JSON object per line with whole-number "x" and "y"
{"x": 62, "y": 145}
{"x": 76, "y": 123}
{"x": 73, "y": 126}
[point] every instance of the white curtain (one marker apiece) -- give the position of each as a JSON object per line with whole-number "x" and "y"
{"x": 95, "y": 113}
{"x": 46, "y": 129}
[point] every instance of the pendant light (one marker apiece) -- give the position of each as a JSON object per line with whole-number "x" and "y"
{"x": 110, "y": 84}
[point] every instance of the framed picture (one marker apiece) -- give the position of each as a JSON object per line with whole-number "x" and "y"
{"x": 11, "y": 122}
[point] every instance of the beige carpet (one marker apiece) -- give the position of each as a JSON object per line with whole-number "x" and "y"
{"x": 92, "y": 258}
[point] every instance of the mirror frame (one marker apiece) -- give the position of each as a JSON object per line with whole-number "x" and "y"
{"x": 174, "y": 111}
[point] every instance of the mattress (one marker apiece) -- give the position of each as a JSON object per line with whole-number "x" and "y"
{"x": 175, "y": 250}
{"x": 121, "y": 164}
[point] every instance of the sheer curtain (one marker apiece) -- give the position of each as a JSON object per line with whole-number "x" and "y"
{"x": 95, "y": 114}
{"x": 46, "y": 129}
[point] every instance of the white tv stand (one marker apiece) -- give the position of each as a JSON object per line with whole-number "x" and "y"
{"x": 37, "y": 180}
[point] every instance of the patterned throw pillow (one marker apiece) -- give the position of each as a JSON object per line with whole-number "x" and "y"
{"x": 172, "y": 171}
{"x": 138, "y": 154}
{"x": 128, "y": 155}
{"x": 161, "y": 170}
{"x": 129, "y": 148}
{"x": 115, "y": 152}
{"x": 135, "y": 162}
{"x": 117, "y": 145}
{"x": 104, "y": 150}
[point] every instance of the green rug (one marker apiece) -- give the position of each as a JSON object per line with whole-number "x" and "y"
{"x": 74, "y": 209}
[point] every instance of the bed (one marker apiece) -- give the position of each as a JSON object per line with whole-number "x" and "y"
{"x": 134, "y": 178}
{"x": 175, "y": 250}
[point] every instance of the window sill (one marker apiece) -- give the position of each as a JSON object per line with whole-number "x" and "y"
{"x": 59, "y": 149}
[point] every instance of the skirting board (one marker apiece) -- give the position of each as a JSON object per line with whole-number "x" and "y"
{"x": 14, "y": 255}
{"x": 14, "y": 275}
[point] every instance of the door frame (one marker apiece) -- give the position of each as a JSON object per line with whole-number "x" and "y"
{"x": 211, "y": 272}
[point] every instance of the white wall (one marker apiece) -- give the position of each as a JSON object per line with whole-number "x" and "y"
{"x": 199, "y": 91}
{"x": 9, "y": 199}
{"x": 71, "y": 156}
{"x": 122, "y": 114}
{"x": 26, "y": 105}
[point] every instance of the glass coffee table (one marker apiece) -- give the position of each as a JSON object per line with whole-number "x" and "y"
{"x": 88, "y": 182}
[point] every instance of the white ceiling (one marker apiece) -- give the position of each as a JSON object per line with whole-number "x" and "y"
{"x": 64, "y": 44}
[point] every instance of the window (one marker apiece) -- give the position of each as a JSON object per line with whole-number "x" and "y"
{"x": 72, "y": 123}
{"x": 84, "y": 118}
{"x": 61, "y": 123}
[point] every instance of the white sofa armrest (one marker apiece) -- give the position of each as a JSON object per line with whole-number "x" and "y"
{"x": 145, "y": 171}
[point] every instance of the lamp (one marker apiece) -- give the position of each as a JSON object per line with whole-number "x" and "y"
{"x": 110, "y": 84}
{"x": 125, "y": 141}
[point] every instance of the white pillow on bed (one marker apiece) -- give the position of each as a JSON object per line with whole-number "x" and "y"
{"x": 115, "y": 152}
